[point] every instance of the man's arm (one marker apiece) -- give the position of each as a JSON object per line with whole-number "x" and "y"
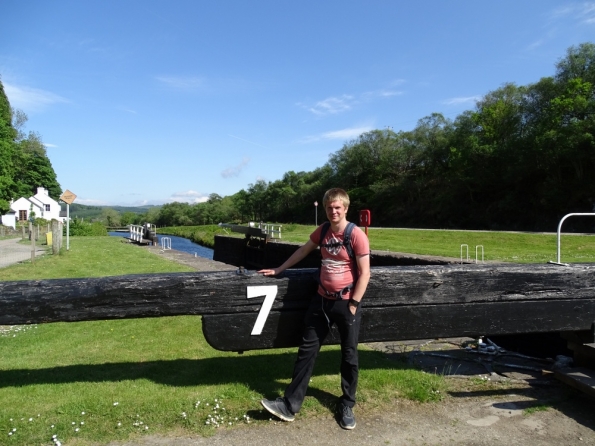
{"x": 363, "y": 266}
{"x": 298, "y": 255}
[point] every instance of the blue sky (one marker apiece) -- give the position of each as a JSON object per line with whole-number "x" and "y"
{"x": 148, "y": 102}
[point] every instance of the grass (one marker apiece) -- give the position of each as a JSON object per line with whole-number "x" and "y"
{"x": 537, "y": 408}
{"x": 92, "y": 257}
{"x": 516, "y": 247}
{"x": 101, "y": 381}
{"x": 130, "y": 377}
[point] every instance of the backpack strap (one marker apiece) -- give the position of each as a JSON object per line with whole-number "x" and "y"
{"x": 323, "y": 231}
{"x": 347, "y": 239}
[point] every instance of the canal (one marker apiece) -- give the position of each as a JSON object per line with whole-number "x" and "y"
{"x": 179, "y": 244}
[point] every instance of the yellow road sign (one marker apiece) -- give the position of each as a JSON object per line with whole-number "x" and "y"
{"x": 67, "y": 197}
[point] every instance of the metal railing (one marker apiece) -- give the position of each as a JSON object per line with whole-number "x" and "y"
{"x": 165, "y": 243}
{"x": 557, "y": 262}
{"x": 136, "y": 233}
{"x": 274, "y": 231}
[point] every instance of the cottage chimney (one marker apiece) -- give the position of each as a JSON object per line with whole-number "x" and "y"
{"x": 41, "y": 191}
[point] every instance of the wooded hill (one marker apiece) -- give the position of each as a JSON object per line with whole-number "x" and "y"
{"x": 520, "y": 160}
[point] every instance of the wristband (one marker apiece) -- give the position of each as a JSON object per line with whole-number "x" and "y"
{"x": 354, "y": 302}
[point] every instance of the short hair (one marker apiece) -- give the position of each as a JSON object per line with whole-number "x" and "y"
{"x": 335, "y": 194}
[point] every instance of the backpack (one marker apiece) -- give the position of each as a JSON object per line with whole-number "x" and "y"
{"x": 347, "y": 244}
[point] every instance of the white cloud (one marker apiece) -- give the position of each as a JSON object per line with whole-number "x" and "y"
{"x": 348, "y": 133}
{"x": 462, "y": 100}
{"x": 234, "y": 171}
{"x": 581, "y": 12}
{"x": 91, "y": 202}
{"x": 51, "y": 146}
{"x": 340, "y": 104}
{"x": 536, "y": 44}
{"x": 370, "y": 95}
{"x": 189, "y": 196}
{"x": 331, "y": 106}
{"x": 343, "y": 134}
{"x": 31, "y": 99}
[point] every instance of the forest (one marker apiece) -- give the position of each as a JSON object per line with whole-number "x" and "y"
{"x": 520, "y": 160}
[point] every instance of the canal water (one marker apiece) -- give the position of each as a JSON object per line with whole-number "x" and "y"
{"x": 179, "y": 244}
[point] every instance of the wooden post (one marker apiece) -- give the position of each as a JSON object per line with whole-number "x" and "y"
{"x": 32, "y": 235}
{"x": 56, "y": 237}
{"x": 23, "y": 231}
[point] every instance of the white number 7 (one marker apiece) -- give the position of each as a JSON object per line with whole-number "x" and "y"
{"x": 270, "y": 292}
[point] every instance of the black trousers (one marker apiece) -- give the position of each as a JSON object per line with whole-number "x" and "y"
{"x": 321, "y": 315}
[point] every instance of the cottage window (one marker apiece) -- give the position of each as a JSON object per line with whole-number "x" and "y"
{"x": 47, "y": 207}
{"x": 22, "y": 215}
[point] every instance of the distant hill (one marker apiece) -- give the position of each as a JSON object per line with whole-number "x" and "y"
{"x": 94, "y": 212}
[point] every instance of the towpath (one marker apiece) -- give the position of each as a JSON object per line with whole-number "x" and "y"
{"x": 11, "y": 251}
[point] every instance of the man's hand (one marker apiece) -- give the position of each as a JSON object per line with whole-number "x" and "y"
{"x": 353, "y": 309}
{"x": 268, "y": 272}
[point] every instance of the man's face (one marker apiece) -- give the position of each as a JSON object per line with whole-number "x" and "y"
{"x": 336, "y": 211}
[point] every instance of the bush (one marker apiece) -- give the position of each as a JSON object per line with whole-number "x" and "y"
{"x": 79, "y": 227}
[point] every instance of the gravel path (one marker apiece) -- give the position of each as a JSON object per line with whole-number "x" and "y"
{"x": 11, "y": 251}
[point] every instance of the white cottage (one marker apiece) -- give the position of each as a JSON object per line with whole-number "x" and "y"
{"x": 41, "y": 204}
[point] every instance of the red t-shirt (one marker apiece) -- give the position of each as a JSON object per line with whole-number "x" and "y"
{"x": 338, "y": 270}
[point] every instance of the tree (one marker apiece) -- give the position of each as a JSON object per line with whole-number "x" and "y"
{"x": 110, "y": 217}
{"x": 579, "y": 63}
{"x": 35, "y": 169}
{"x": 7, "y": 152}
{"x": 24, "y": 164}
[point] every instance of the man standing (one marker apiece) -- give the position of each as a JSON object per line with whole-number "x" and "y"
{"x": 344, "y": 276}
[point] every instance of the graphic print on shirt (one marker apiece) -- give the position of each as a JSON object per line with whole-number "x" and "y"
{"x": 335, "y": 247}
{"x": 334, "y": 267}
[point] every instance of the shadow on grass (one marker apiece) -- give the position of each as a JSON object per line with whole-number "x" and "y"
{"x": 262, "y": 373}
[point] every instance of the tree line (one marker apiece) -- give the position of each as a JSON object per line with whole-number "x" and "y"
{"x": 24, "y": 164}
{"x": 520, "y": 160}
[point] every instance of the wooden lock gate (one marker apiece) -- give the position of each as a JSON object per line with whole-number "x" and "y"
{"x": 246, "y": 311}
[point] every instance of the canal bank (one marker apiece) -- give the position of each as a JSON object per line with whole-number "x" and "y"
{"x": 192, "y": 260}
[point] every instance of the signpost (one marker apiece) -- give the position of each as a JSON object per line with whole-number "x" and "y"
{"x": 316, "y": 213}
{"x": 67, "y": 197}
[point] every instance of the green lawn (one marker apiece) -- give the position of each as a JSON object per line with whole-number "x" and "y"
{"x": 131, "y": 377}
{"x": 513, "y": 247}
{"x": 93, "y": 257}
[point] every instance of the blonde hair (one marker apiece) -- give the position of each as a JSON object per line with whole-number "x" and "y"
{"x": 335, "y": 194}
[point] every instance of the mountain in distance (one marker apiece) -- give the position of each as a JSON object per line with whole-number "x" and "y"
{"x": 94, "y": 212}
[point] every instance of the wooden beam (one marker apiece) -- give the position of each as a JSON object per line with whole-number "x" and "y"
{"x": 409, "y": 302}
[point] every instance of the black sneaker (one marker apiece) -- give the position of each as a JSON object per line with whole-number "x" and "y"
{"x": 279, "y": 409}
{"x": 347, "y": 417}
